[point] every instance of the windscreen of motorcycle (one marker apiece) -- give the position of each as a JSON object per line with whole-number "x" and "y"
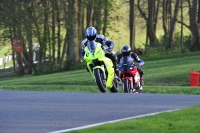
{"x": 126, "y": 63}
{"x": 92, "y": 46}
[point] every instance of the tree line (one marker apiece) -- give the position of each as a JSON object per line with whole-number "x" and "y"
{"x": 169, "y": 13}
{"x": 58, "y": 26}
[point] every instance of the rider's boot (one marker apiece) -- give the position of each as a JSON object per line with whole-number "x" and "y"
{"x": 141, "y": 72}
{"x": 116, "y": 69}
{"x": 115, "y": 65}
{"x": 141, "y": 81}
{"x": 114, "y": 61}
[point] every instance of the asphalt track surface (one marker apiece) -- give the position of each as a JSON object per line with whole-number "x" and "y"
{"x": 43, "y": 112}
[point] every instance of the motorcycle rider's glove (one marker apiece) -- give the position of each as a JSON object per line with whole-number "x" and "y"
{"x": 106, "y": 49}
{"x": 141, "y": 62}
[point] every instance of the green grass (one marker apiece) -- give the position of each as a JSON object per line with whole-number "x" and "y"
{"x": 5, "y": 50}
{"x": 8, "y": 64}
{"x": 181, "y": 121}
{"x": 166, "y": 73}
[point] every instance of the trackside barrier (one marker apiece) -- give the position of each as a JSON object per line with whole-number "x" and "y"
{"x": 194, "y": 78}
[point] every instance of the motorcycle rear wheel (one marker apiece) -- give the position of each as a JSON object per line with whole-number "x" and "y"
{"x": 101, "y": 82}
{"x": 115, "y": 87}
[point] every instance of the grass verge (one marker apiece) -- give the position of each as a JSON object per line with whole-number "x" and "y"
{"x": 181, "y": 121}
{"x": 163, "y": 74}
{"x": 167, "y": 74}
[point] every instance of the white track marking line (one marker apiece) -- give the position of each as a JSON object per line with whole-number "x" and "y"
{"x": 98, "y": 124}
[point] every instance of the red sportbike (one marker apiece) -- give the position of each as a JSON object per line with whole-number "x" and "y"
{"x": 129, "y": 75}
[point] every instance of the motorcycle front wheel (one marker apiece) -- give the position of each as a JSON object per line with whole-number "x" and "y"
{"x": 127, "y": 86}
{"x": 101, "y": 82}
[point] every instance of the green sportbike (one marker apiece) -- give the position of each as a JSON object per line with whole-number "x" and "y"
{"x": 100, "y": 67}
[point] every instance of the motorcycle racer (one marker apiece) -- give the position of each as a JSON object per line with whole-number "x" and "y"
{"x": 126, "y": 51}
{"x": 107, "y": 45}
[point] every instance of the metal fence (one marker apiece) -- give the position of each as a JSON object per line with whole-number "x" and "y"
{"x": 5, "y": 59}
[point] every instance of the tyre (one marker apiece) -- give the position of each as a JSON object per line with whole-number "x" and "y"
{"x": 127, "y": 86}
{"x": 115, "y": 86}
{"x": 101, "y": 83}
{"x": 140, "y": 88}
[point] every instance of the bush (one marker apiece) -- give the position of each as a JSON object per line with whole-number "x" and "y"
{"x": 162, "y": 41}
{"x": 69, "y": 65}
{"x": 47, "y": 67}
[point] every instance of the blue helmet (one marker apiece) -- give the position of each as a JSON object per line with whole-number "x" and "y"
{"x": 91, "y": 33}
{"x": 126, "y": 50}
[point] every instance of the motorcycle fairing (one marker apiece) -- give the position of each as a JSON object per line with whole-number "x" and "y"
{"x": 96, "y": 53}
{"x": 127, "y": 67}
{"x": 126, "y": 63}
{"x": 132, "y": 73}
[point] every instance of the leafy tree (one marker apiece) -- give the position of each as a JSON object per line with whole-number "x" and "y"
{"x": 151, "y": 18}
{"x": 132, "y": 23}
{"x": 170, "y": 43}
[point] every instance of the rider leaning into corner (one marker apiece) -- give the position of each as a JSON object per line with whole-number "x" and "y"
{"x": 107, "y": 45}
{"x": 126, "y": 51}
